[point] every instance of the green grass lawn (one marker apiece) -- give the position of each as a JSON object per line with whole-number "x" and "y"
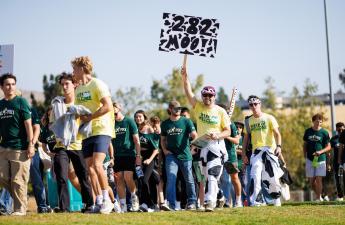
{"x": 288, "y": 214}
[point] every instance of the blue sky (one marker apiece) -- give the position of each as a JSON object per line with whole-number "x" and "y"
{"x": 284, "y": 39}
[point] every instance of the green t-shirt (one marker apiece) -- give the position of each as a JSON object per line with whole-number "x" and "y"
{"x": 13, "y": 113}
{"x": 335, "y": 146}
{"x": 239, "y": 156}
{"x": 231, "y": 147}
{"x": 177, "y": 137}
{"x": 123, "y": 143}
{"x": 316, "y": 140}
{"x": 47, "y": 137}
{"x": 148, "y": 143}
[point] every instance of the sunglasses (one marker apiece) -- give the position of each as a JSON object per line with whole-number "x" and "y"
{"x": 176, "y": 109}
{"x": 207, "y": 95}
{"x": 253, "y": 104}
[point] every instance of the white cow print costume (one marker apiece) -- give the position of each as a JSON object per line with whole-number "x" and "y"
{"x": 213, "y": 157}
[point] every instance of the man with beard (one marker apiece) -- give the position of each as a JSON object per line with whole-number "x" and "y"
{"x": 213, "y": 123}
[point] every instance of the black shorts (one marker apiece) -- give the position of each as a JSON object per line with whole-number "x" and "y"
{"x": 124, "y": 163}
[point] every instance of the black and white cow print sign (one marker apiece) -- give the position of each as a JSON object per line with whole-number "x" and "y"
{"x": 189, "y": 35}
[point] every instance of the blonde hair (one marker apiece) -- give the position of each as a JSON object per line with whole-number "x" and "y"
{"x": 84, "y": 62}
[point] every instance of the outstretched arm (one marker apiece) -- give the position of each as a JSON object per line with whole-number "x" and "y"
{"x": 187, "y": 87}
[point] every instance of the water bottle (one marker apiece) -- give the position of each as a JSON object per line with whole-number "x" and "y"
{"x": 315, "y": 161}
{"x": 340, "y": 171}
{"x": 139, "y": 171}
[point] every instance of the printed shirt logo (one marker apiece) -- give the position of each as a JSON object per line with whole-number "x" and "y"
{"x": 120, "y": 130}
{"x": 143, "y": 140}
{"x": 208, "y": 119}
{"x": 6, "y": 113}
{"x": 314, "y": 138}
{"x": 174, "y": 131}
{"x": 258, "y": 126}
{"x": 84, "y": 96}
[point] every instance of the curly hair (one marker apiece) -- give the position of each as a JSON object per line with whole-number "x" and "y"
{"x": 83, "y": 62}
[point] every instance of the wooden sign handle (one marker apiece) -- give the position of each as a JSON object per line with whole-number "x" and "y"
{"x": 184, "y": 64}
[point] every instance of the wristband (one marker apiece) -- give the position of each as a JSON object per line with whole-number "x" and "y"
{"x": 138, "y": 155}
{"x": 279, "y": 146}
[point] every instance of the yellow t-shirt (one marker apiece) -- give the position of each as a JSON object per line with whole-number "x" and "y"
{"x": 90, "y": 95}
{"x": 75, "y": 145}
{"x": 212, "y": 120}
{"x": 261, "y": 130}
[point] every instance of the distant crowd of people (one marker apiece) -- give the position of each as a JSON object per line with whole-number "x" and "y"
{"x": 120, "y": 164}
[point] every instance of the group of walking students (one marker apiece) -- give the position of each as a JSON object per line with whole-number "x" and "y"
{"x": 121, "y": 164}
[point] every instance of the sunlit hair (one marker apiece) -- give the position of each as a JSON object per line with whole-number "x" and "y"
{"x": 155, "y": 120}
{"x": 45, "y": 117}
{"x": 84, "y": 62}
{"x": 7, "y": 76}
{"x": 317, "y": 116}
{"x": 66, "y": 76}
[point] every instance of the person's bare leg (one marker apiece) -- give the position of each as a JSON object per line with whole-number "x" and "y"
{"x": 237, "y": 186}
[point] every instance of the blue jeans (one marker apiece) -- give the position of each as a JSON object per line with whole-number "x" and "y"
{"x": 6, "y": 201}
{"x": 36, "y": 175}
{"x": 227, "y": 187}
{"x": 263, "y": 196}
{"x": 171, "y": 166}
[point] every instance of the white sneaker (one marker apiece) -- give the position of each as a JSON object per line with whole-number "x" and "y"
{"x": 209, "y": 206}
{"x": 259, "y": 204}
{"x": 18, "y": 214}
{"x": 339, "y": 199}
{"x": 277, "y": 202}
{"x": 326, "y": 198}
{"x": 107, "y": 207}
{"x": 238, "y": 204}
{"x": 135, "y": 203}
{"x": 117, "y": 207}
{"x": 319, "y": 199}
{"x": 123, "y": 208}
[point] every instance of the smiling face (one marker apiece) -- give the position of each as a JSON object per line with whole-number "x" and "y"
{"x": 139, "y": 118}
{"x": 208, "y": 99}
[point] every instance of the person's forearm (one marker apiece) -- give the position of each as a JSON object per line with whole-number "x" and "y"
{"x": 224, "y": 134}
{"x": 104, "y": 109}
{"x": 153, "y": 155}
{"x": 29, "y": 131}
{"x": 36, "y": 133}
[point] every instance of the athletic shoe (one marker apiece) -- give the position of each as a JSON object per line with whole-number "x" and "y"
{"x": 209, "y": 206}
{"x": 91, "y": 209}
{"x": 143, "y": 208}
{"x": 135, "y": 203}
{"x": 123, "y": 208}
{"x": 277, "y": 202}
{"x": 164, "y": 207}
{"x": 326, "y": 198}
{"x": 58, "y": 210}
{"x": 259, "y": 204}
{"x": 220, "y": 202}
{"x": 339, "y": 199}
{"x": 107, "y": 207}
{"x": 191, "y": 207}
{"x": 117, "y": 207}
{"x": 238, "y": 204}
{"x": 18, "y": 214}
{"x": 201, "y": 208}
{"x": 319, "y": 200}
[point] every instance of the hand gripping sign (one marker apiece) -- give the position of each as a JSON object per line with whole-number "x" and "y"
{"x": 189, "y": 35}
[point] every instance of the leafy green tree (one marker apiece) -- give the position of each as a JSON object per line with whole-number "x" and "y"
{"x": 222, "y": 97}
{"x": 131, "y": 99}
{"x": 51, "y": 89}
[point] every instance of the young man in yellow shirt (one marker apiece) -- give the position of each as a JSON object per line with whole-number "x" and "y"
{"x": 213, "y": 122}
